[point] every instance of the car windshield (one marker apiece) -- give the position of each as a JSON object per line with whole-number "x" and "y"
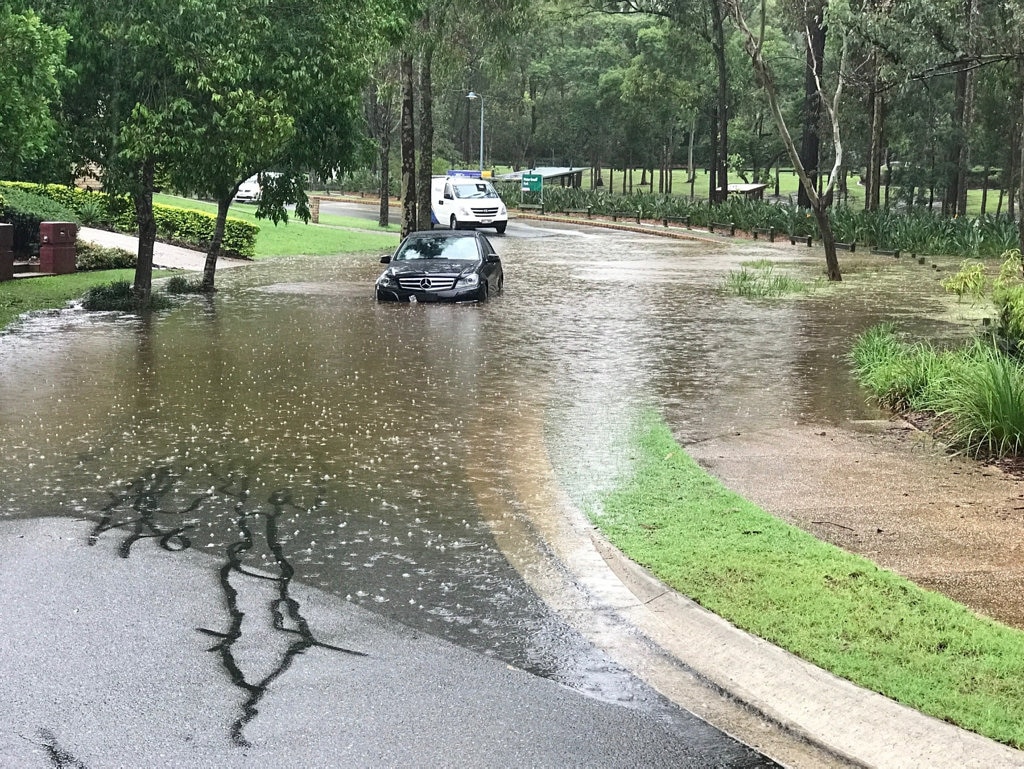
{"x": 474, "y": 189}
{"x": 460, "y": 249}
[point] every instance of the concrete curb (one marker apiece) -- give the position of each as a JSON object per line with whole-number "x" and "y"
{"x": 845, "y": 719}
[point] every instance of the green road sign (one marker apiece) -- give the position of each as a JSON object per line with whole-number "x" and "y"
{"x": 533, "y": 182}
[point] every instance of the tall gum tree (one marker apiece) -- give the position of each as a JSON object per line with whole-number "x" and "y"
{"x": 819, "y": 203}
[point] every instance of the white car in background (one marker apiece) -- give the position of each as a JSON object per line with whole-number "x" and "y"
{"x": 248, "y": 191}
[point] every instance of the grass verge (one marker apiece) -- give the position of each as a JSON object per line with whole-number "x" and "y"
{"x": 835, "y": 609}
{"x": 298, "y": 239}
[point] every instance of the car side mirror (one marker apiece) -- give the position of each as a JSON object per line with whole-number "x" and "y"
{"x": 493, "y": 258}
{"x": 386, "y": 259}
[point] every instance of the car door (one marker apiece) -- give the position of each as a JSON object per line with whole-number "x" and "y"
{"x": 491, "y": 270}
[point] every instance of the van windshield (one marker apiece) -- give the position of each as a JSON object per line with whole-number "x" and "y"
{"x": 474, "y": 189}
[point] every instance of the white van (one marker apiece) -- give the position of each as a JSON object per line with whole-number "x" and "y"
{"x": 466, "y": 201}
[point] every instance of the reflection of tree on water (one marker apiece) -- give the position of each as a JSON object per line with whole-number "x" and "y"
{"x": 139, "y": 510}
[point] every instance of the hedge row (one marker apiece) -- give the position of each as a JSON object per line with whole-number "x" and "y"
{"x": 178, "y": 225}
{"x": 916, "y": 231}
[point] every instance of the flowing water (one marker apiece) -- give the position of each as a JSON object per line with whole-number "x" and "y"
{"x": 300, "y": 429}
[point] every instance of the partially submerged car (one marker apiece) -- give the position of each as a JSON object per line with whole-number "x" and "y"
{"x": 441, "y": 266}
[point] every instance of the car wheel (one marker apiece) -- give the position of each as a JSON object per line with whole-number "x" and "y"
{"x": 501, "y": 227}
{"x": 481, "y": 293}
{"x": 501, "y": 284}
{"x": 454, "y": 223}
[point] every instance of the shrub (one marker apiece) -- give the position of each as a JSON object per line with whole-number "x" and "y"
{"x": 179, "y": 284}
{"x": 118, "y": 297}
{"x": 193, "y": 229}
{"x": 969, "y": 281}
{"x": 90, "y": 256}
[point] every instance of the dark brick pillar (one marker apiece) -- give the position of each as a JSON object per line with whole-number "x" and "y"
{"x": 6, "y": 252}
{"x": 57, "y": 247}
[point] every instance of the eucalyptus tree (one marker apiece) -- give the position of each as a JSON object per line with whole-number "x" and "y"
{"x": 707, "y": 19}
{"x": 760, "y": 59}
{"x": 381, "y": 106}
{"x": 31, "y": 61}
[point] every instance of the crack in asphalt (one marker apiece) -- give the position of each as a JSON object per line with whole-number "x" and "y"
{"x": 143, "y": 501}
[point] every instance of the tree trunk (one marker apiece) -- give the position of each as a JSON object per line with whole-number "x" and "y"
{"x": 213, "y": 254}
{"x": 143, "y": 200}
{"x": 955, "y": 200}
{"x": 383, "y": 211}
{"x": 426, "y": 133}
{"x": 1020, "y": 166}
{"x": 763, "y": 74}
{"x": 828, "y": 238}
{"x": 873, "y": 181}
{"x": 408, "y": 147}
{"x": 810, "y": 141}
{"x": 721, "y": 156}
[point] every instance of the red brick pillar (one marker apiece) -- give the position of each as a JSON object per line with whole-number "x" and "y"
{"x": 57, "y": 247}
{"x": 6, "y": 252}
{"x": 314, "y": 209}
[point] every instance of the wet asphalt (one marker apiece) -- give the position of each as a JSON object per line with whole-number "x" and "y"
{"x": 124, "y": 662}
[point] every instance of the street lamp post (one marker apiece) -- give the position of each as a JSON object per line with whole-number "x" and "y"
{"x": 472, "y": 96}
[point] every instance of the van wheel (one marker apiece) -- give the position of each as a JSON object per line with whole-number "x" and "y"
{"x": 454, "y": 223}
{"x": 501, "y": 227}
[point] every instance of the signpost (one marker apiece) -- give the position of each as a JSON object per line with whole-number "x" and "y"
{"x": 533, "y": 183}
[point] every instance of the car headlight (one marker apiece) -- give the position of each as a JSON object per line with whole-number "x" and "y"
{"x": 469, "y": 279}
{"x": 502, "y": 211}
{"x": 386, "y": 280}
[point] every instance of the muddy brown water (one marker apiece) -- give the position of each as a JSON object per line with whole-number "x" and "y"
{"x": 309, "y": 431}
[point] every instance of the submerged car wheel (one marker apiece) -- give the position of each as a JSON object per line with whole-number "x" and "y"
{"x": 501, "y": 227}
{"x": 481, "y": 293}
{"x": 454, "y": 223}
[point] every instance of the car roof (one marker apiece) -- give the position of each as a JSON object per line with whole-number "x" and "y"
{"x": 443, "y": 234}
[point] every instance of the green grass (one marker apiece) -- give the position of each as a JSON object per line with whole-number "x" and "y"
{"x": 298, "y": 239}
{"x": 837, "y": 610}
{"x": 28, "y": 294}
{"x": 976, "y": 392}
{"x": 759, "y": 279}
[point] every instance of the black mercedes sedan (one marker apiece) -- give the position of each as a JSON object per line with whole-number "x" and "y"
{"x": 441, "y": 266}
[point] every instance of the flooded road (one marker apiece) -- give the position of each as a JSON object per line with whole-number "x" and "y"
{"x": 297, "y": 429}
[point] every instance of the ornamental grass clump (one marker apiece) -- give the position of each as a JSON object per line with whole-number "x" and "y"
{"x": 759, "y": 280}
{"x": 974, "y": 394}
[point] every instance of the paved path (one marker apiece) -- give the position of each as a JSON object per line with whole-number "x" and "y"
{"x": 164, "y": 255}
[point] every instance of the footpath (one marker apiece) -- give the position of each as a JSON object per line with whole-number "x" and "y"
{"x": 165, "y": 256}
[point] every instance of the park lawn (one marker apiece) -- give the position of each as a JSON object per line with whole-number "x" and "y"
{"x": 296, "y": 238}
{"x": 28, "y": 294}
{"x": 835, "y": 609}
